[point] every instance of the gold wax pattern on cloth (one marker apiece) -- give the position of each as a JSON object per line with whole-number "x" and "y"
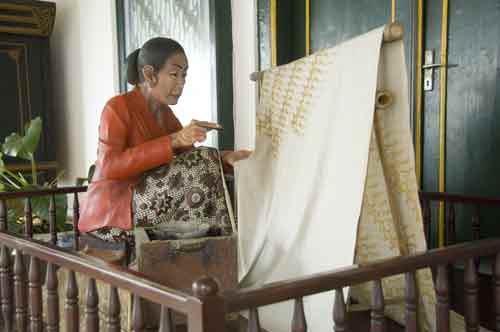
{"x": 391, "y": 220}
{"x": 286, "y": 96}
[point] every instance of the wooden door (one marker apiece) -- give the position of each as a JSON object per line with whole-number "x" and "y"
{"x": 461, "y": 115}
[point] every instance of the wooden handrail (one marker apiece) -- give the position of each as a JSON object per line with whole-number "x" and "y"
{"x": 336, "y": 279}
{"x": 5, "y": 195}
{"x": 132, "y": 281}
{"x": 437, "y": 196}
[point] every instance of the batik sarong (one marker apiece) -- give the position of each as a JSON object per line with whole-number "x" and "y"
{"x": 190, "y": 189}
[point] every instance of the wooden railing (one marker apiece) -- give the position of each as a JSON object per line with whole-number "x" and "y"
{"x": 28, "y": 213}
{"x": 206, "y": 307}
{"x": 451, "y": 201}
{"x": 205, "y": 310}
{"x": 22, "y": 310}
{"x": 297, "y": 289}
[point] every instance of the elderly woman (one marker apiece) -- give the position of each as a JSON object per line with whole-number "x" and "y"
{"x": 138, "y": 133}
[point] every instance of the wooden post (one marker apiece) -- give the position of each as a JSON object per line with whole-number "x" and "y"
{"x": 114, "y": 310}
{"x": 52, "y": 285}
{"x": 92, "y": 307}
{"x": 442, "y": 304}
{"x": 411, "y": 303}
{"x": 339, "y": 312}
{"x": 35, "y": 296}
{"x": 52, "y": 219}
{"x": 76, "y": 217}
{"x": 20, "y": 295}
{"x": 377, "y": 315}
{"x": 471, "y": 297}
{"x": 6, "y": 287}
{"x": 71, "y": 307}
{"x": 299, "y": 323}
{"x": 207, "y": 308}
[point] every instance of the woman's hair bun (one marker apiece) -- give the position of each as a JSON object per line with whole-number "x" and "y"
{"x": 133, "y": 68}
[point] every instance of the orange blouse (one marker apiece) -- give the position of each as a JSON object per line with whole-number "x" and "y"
{"x": 130, "y": 142}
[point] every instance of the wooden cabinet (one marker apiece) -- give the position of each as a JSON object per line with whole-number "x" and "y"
{"x": 25, "y": 84}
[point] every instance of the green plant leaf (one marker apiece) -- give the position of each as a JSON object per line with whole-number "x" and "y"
{"x": 2, "y": 164}
{"x": 24, "y": 146}
{"x": 32, "y": 135}
{"x": 13, "y": 146}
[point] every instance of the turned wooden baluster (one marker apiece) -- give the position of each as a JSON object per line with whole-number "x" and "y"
{"x": 377, "y": 314}
{"x": 471, "y": 297}
{"x": 28, "y": 218}
{"x": 411, "y": 302}
{"x": 476, "y": 226}
{"x": 71, "y": 308}
{"x": 137, "y": 315}
{"x": 76, "y": 217}
{"x": 52, "y": 299}
{"x": 6, "y": 287}
{"x": 496, "y": 291}
{"x": 166, "y": 320}
{"x": 253, "y": 320}
{"x": 92, "y": 307}
{"x": 442, "y": 304}
{"x": 450, "y": 225}
{"x": 3, "y": 215}
{"x": 52, "y": 220}
{"x": 339, "y": 312}
{"x": 114, "y": 310}
{"x": 20, "y": 295}
{"x": 35, "y": 296}
{"x": 426, "y": 216}
{"x": 299, "y": 323}
{"x": 476, "y": 230}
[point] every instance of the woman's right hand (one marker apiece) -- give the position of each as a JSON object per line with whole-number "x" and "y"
{"x": 188, "y": 135}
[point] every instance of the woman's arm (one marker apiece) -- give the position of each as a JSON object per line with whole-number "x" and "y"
{"x": 229, "y": 158}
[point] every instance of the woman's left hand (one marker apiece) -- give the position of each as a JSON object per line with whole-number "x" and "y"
{"x": 231, "y": 157}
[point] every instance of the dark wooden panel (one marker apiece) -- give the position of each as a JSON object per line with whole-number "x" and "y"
{"x": 26, "y": 90}
{"x": 264, "y": 28}
{"x": 222, "y": 20}
{"x": 473, "y": 104}
{"x": 298, "y": 37}
{"x": 10, "y": 84}
{"x": 335, "y": 21}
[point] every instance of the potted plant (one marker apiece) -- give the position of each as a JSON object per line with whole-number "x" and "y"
{"x": 24, "y": 147}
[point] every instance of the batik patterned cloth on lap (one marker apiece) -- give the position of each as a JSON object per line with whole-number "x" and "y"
{"x": 190, "y": 189}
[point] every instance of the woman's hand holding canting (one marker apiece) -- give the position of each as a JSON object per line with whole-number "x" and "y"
{"x": 188, "y": 135}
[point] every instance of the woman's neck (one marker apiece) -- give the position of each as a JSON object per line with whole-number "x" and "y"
{"x": 154, "y": 106}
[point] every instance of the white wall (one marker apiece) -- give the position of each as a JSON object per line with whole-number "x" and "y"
{"x": 85, "y": 76}
{"x": 245, "y": 61}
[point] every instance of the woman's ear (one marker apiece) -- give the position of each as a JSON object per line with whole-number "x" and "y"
{"x": 149, "y": 75}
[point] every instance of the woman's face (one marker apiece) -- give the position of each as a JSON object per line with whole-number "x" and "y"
{"x": 171, "y": 79}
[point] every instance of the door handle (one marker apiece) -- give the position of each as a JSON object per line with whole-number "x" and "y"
{"x": 428, "y": 69}
{"x": 436, "y": 65}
